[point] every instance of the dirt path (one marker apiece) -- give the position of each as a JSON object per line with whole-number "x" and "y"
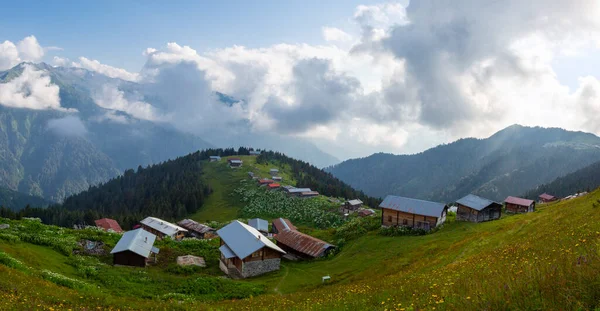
{"x": 282, "y": 279}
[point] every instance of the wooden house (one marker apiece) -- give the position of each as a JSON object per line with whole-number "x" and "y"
{"x": 292, "y": 191}
{"x": 245, "y": 252}
{"x": 477, "y": 209}
{"x": 366, "y": 213}
{"x": 302, "y": 245}
{"x": 162, "y": 228}
{"x": 134, "y": 248}
{"x": 254, "y": 152}
{"x": 351, "y": 206}
{"x": 277, "y": 178}
{"x": 198, "y": 230}
{"x": 109, "y": 225}
{"x": 264, "y": 182}
{"x": 518, "y": 205}
{"x": 214, "y": 159}
{"x": 309, "y": 194}
{"x": 259, "y": 224}
{"x": 546, "y": 198}
{"x": 274, "y": 172}
{"x": 273, "y": 186}
{"x": 281, "y": 224}
{"x": 235, "y": 162}
{"x": 414, "y": 213}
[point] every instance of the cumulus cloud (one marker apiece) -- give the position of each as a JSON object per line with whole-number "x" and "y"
{"x": 70, "y": 126}
{"x": 109, "y": 71}
{"x": 32, "y": 89}
{"x": 26, "y": 50}
{"x": 110, "y": 97}
{"x": 414, "y": 76}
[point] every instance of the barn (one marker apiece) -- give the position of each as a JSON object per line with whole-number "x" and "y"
{"x": 245, "y": 252}
{"x": 351, "y": 206}
{"x": 198, "y": 230}
{"x": 413, "y": 213}
{"x": 546, "y": 198}
{"x": 477, "y": 209}
{"x": 235, "y": 162}
{"x": 134, "y": 248}
{"x": 518, "y": 205}
{"x": 162, "y": 228}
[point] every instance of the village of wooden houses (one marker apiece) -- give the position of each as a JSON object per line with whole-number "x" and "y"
{"x": 248, "y": 249}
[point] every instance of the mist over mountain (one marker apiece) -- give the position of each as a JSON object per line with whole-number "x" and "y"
{"x": 63, "y": 129}
{"x": 513, "y": 159}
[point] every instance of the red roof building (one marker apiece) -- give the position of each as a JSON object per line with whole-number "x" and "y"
{"x": 265, "y": 181}
{"x": 302, "y": 245}
{"x": 547, "y": 198}
{"x": 519, "y": 205}
{"x": 108, "y": 225}
{"x": 273, "y": 186}
{"x": 281, "y": 224}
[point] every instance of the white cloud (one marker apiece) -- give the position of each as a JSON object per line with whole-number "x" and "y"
{"x": 9, "y": 55}
{"x": 109, "y": 71}
{"x": 335, "y": 34}
{"x": 60, "y": 61}
{"x": 30, "y": 50}
{"x": 32, "y": 89}
{"x": 110, "y": 97}
{"x": 67, "y": 126}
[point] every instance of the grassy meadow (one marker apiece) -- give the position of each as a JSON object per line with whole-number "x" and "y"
{"x": 546, "y": 260}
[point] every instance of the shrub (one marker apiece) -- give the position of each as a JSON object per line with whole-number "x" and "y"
{"x": 11, "y": 262}
{"x": 183, "y": 270}
{"x": 357, "y": 227}
{"x": 62, "y": 280}
{"x": 9, "y": 237}
{"x": 400, "y": 231}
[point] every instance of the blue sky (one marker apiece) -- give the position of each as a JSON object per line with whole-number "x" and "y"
{"x": 116, "y": 32}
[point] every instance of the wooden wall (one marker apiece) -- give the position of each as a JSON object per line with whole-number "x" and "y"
{"x": 396, "y": 218}
{"x": 513, "y": 208}
{"x": 262, "y": 254}
{"x": 466, "y": 213}
{"x": 128, "y": 258}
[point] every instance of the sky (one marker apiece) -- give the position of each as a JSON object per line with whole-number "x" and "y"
{"x": 354, "y": 77}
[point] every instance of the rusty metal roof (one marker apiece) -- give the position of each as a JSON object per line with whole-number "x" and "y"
{"x": 195, "y": 226}
{"x": 303, "y": 243}
{"x": 265, "y": 181}
{"x": 282, "y": 224}
{"x": 274, "y": 185}
{"x": 518, "y": 201}
{"x": 108, "y": 224}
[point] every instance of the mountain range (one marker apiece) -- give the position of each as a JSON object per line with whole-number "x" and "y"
{"x": 509, "y": 162}
{"x": 55, "y": 153}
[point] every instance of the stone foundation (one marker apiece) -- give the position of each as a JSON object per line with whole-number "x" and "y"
{"x": 255, "y": 268}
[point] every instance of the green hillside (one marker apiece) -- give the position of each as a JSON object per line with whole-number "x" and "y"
{"x": 15, "y": 200}
{"x": 546, "y": 260}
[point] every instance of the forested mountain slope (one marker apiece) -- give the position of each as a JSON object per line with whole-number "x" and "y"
{"x": 507, "y": 163}
{"x": 585, "y": 179}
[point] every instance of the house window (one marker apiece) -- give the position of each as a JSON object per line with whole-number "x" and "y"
{"x": 405, "y": 221}
{"x": 389, "y": 218}
{"x": 257, "y": 254}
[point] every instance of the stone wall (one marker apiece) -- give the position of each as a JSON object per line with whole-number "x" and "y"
{"x": 254, "y": 268}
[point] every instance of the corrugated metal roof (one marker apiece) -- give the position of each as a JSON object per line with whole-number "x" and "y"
{"x": 545, "y": 196}
{"x": 355, "y": 202}
{"x": 475, "y": 202}
{"x": 259, "y": 224}
{"x": 413, "y": 206}
{"x": 281, "y": 224}
{"x": 108, "y": 224}
{"x": 309, "y": 193}
{"x": 215, "y": 157}
{"x": 195, "y": 226}
{"x": 265, "y": 181}
{"x": 297, "y": 190}
{"x": 274, "y": 185}
{"x": 138, "y": 241}
{"x": 244, "y": 240}
{"x": 302, "y": 243}
{"x": 274, "y": 170}
{"x": 277, "y": 178}
{"x": 518, "y": 201}
{"x": 226, "y": 251}
{"x": 162, "y": 226}
{"x": 236, "y": 161}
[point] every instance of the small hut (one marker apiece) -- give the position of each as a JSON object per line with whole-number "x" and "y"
{"x": 134, "y": 248}
{"x": 518, "y": 205}
{"x": 477, "y": 209}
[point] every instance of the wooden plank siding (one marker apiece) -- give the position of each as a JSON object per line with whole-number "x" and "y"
{"x": 468, "y": 214}
{"x": 518, "y": 209}
{"x": 262, "y": 254}
{"x": 396, "y": 218}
